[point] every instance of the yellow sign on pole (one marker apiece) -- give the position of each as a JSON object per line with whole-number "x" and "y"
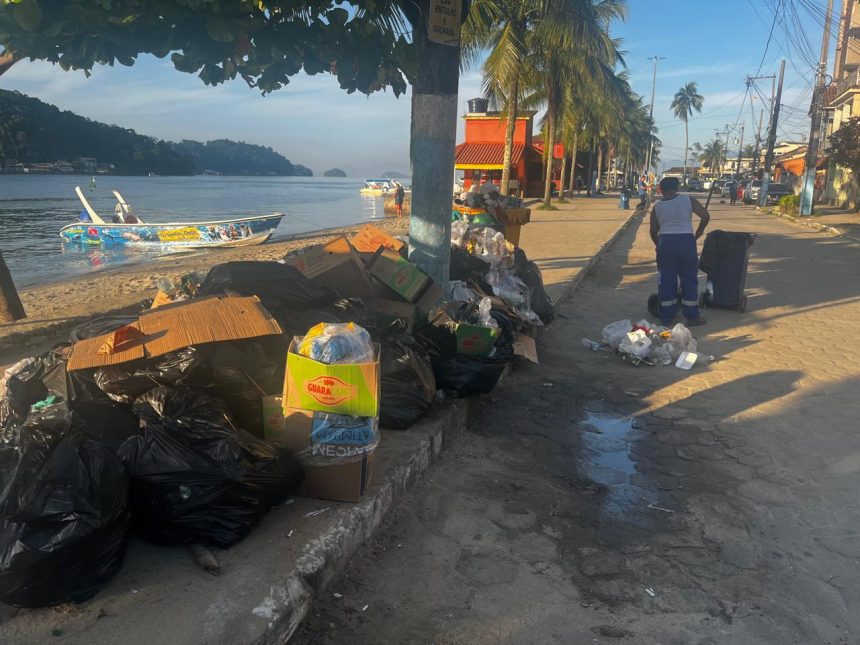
{"x": 444, "y": 22}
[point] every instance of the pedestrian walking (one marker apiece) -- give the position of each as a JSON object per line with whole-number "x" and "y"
{"x": 399, "y": 196}
{"x": 643, "y": 192}
{"x": 672, "y": 233}
{"x": 733, "y": 193}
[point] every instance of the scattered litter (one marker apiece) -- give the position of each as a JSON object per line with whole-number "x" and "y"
{"x": 319, "y": 512}
{"x": 338, "y": 595}
{"x": 548, "y": 384}
{"x": 650, "y": 591}
{"x": 590, "y": 344}
{"x": 365, "y": 608}
{"x": 686, "y": 360}
{"x": 290, "y": 534}
{"x": 134, "y": 591}
{"x": 645, "y": 343}
{"x": 205, "y": 559}
{"x": 660, "y": 508}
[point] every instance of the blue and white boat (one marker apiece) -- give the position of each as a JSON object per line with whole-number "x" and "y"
{"x": 127, "y": 228}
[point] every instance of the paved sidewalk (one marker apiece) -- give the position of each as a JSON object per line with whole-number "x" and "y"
{"x": 270, "y": 579}
{"x": 593, "y": 501}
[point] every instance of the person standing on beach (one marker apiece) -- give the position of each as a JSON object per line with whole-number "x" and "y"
{"x": 399, "y": 196}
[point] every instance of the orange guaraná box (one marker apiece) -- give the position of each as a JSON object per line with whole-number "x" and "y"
{"x": 342, "y": 389}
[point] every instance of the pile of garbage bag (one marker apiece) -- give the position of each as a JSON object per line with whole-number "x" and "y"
{"x": 197, "y": 478}
{"x": 166, "y": 443}
{"x": 649, "y": 344}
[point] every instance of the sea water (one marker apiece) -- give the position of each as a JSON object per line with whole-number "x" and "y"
{"x": 33, "y": 209}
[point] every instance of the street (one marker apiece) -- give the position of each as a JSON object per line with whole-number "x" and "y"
{"x": 593, "y": 501}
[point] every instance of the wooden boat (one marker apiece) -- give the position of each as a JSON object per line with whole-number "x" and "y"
{"x": 127, "y": 228}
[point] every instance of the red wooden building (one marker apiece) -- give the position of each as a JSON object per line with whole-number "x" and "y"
{"x": 481, "y": 155}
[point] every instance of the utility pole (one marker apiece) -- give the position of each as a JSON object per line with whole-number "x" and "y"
{"x": 656, "y": 59}
{"x": 771, "y": 139}
{"x": 815, "y": 109}
{"x": 772, "y": 78}
{"x": 757, "y": 143}
{"x": 740, "y": 151}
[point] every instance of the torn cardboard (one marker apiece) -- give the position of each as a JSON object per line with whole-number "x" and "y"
{"x": 335, "y": 265}
{"x": 400, "y": 275}
{"x": 176, "y": 326}
{"x": 369, "y": 238}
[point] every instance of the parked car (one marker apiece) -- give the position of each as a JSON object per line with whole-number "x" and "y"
{"x": 694, "y": 185}
{"x": 726, "y": 187}
{"x": 775, "y": 192}
{"x": 754, "y": 189}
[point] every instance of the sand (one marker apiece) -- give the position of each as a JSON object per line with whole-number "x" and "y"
{"x": 53, "y": 310}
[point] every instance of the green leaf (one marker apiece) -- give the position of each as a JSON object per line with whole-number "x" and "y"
{"x": 220, "y": 30}
{"x": 28, "y": 14}
{"x": 53, "y": 30}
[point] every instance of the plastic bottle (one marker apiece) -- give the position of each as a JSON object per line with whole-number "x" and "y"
{"x": 590, "y": 344}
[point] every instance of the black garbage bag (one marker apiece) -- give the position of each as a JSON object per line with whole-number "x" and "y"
{"x": 408, "y": 385}
{"x": 65, "y": 516}
{"x": 126, "y": 382}
{"x": 530, "y": 274}
{"x": 196, "y": 478}
{"x": 460, "y": 375}
{"x": 282, "y": 288}
{"x": 469, "y": 268}
{"x": 105, "y": 421}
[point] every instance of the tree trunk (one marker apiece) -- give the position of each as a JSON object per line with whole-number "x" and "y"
{"x": 431, "y": 149}
{"x": 573, "y": 152}
{"x": 513, "y": 106}
{"x": 11, "y": 308}
{"x": 599, "y": 164}
{"x": 7, "y": 59}
{"x": 561, "y": 183}
{"x": 550, "y": 142}
{"x": 686, "y": 146}
{"x": 589, "y": 183}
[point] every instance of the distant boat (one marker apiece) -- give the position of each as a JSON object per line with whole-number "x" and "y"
{"x": 379, "y": 187}
{"x": 126, "y": 228}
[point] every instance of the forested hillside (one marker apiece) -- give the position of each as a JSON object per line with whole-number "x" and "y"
{"x": 32, "y": 131}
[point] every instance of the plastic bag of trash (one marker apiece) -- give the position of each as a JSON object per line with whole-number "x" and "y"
{"x": 530, "y": 274}
{"x": 681, "y": 340}
{"x": 459, "y": 231}
{"x": 64, "y": 504}
{"x": 125, "y": 383}
{"x": 615, "y": 332}
{"x": 636, "y": 343}
{"x": 282, "y": 288}
{"x": 194, "y": 477}
{"x": 339, "y": 439}
{"x": 333, "y": 344}
{"x": 661, "y": 355}
{"x": 485, "y": 306}
{"x": 408, "y": 385}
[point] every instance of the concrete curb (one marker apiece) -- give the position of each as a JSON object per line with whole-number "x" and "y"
{"x": 325, "y": 556}
{"x": 803, "y": 222}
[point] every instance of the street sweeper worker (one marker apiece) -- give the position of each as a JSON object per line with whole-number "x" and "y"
{"x": 672, "y": 234}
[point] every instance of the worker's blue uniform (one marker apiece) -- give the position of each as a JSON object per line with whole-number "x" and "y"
{"x": 677, "y": 258}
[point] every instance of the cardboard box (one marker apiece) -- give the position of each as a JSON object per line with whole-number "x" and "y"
{"x": 342, "y": 389}
{"x": 370, "y": 238}
{"x": 388, "y": 311}
{"x": 399, "y": 275}
{"x": 475, "y": 340}
{"x": 335, "y": 265}
{"x": 340, "y": 480}
{"x": 176, "y": 326}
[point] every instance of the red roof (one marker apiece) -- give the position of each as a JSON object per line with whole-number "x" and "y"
{"x": 490, "y": 154}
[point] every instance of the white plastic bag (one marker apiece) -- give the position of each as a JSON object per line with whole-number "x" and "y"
{"x": 615, "y": 332}
{"x": 484, "y": 317}
{"x": 636, "y": 343}
{"x": 459, "y": 230}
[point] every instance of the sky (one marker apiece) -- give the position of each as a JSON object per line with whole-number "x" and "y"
{"x": 314, "y": 123}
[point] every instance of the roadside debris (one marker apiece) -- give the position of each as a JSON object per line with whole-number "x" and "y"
{"x": 647, "y": 344}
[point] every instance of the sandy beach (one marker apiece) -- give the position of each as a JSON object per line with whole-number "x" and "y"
{"x": 53, "y": 310}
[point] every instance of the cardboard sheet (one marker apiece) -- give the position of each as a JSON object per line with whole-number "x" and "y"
{"x": 175, "y": 326}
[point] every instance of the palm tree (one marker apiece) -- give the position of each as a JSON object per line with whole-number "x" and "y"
{"x": 686, "y": 100}
{"x": 516, "y": 32}
{"x": 711, "y": 154}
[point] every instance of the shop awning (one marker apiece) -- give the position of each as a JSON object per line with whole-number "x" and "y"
{"x": 485, "y": 156}
{"x": 795, "y": 166}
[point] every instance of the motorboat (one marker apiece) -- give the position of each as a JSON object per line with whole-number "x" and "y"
{"x": 126, "y": 227}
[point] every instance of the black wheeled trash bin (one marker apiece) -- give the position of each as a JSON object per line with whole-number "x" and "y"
{"x": 724, "y": 259}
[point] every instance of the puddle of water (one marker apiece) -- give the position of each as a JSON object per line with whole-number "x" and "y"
{"x": 606, "y": 459}
{"x": 607, "y": 437}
